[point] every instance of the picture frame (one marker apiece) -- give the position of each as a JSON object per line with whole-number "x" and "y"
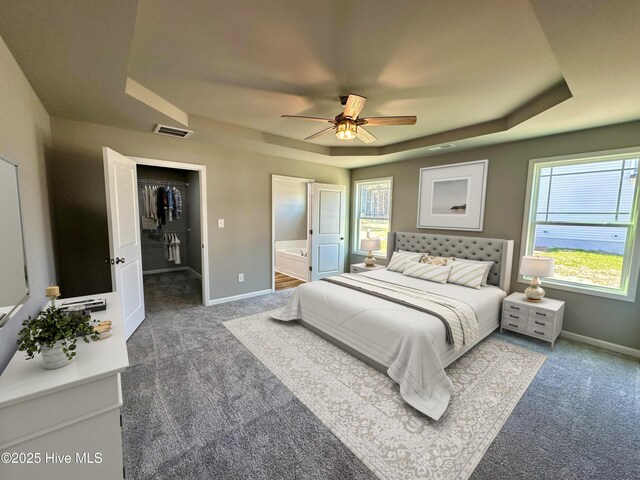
{"x": 452, "y": 197}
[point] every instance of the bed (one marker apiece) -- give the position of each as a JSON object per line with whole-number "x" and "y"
{"x": 411, "y": 346}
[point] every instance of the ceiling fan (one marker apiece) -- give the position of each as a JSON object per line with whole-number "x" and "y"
{"x": 349, "y": 125}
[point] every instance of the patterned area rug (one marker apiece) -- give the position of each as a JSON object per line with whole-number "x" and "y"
{"x": 363, "y": 407}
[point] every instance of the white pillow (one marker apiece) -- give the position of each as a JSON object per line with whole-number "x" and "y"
{"x": 466, "y": 274}
{"x": 425, "y": 271}
{"x": 400, "y": 259}
{"x": 488, "y": 264}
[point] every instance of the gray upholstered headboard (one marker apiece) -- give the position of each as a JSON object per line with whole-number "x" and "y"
{"x": 472, "y": 248}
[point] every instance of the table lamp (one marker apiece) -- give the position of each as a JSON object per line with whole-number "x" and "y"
{"x": 536, "y": 266}
{"x": 372, "y": 245}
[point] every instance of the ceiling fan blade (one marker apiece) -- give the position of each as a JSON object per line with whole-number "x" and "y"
{"x": 379, "y": 121}
{"x": 364, "y": 135}
{"x": 313, "y": 119}
{"x": 353, "y": 107}
{"x": 310, "y": 137}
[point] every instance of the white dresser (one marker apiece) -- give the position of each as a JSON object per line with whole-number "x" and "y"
{"x": 65, "y": 423}
{"x": 541, "y": 320}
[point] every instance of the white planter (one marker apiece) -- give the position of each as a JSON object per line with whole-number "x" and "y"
{"x": 53, "y": 358}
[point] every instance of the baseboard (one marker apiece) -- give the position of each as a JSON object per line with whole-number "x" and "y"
{"x": 613, "y": 347}
{"x": 196, "y": 274}
{"x": 217, "y": 301}
{"x": 165, "y": 270}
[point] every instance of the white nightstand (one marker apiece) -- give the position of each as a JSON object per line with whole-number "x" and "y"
{"x": 361, "y": 267}
{"x": 541, "y": 320}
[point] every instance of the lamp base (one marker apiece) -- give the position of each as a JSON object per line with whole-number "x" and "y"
{"x": 534, "y": 292}
{"x": 370, "y": 261}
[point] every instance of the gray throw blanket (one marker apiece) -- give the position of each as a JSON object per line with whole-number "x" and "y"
{"x": 458, "y": 318}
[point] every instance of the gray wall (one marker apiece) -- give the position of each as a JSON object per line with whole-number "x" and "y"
{"x": 238, "y": 190}
{"x": 194, "y": 250}
{"x": 290, "y": 210}
{"x": 25, "y": 138}
{"x": 613, "y": 321}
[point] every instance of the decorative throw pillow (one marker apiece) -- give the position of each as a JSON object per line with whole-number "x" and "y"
{"x": 400, "y": 259}
{"x": 429, "y": 260}
{"x": 466, "y": 274}
{"x": 488, "y": 265}
{"x": 425, "y": 271}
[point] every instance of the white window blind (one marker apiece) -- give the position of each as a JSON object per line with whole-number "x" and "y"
{"x": 372, "y": 212}
{"x": 583, "y": 212}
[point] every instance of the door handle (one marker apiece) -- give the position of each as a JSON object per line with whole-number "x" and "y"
{"x": 119, "y": 260}
{"x": 109, "y": 261}
{"x": 341, "y": 238}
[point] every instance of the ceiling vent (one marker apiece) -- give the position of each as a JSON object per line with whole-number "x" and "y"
{"x": 172, "y": 131}
{"x": 441, "y": 147}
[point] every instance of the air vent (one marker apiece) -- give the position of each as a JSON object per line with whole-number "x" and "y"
{"x": 172, "y": 131}
{"x": 441, "y": 147}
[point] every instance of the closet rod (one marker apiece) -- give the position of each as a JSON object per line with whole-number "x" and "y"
{"x": 180, "y": 230}
{"x": 162, "y": 182}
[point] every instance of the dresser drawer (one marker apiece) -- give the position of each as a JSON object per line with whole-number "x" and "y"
{"x": 539, "y": 332}
{"x": 537, "y": 312}
{"x": 515, "y": 308}
{"x": 514, "y": 317}
{"x": 518, "y": 326}
{"x": 541, "y": 322}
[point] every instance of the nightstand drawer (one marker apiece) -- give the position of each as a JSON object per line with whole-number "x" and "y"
{"x": 514, "y": 317}
{"x": 541, "y": 322}
{"x": 539, "y": 332}
{"x": 513, "y": 307}
{"x": 518, "y": 326}
{"x": 536, "y": 312}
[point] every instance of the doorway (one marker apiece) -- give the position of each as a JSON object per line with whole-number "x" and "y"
{"x": 178, "y": 249}
{"x": 290, "y": 231}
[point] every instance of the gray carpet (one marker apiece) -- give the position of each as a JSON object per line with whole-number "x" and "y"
{"x": 199, "y": 405}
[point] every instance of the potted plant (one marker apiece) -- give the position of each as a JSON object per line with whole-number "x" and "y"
{"x": 54, "y": 334}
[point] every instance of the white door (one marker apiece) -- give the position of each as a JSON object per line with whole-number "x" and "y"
{"x": 328, "y": 205}
{"x": 124, "y": 236}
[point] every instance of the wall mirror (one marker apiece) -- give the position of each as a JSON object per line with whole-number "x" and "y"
{"x": 14, "y": 288}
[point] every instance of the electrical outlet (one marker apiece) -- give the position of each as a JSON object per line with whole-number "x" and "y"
{"x": 221, "y": 223}
{"x": 241, "y": 277}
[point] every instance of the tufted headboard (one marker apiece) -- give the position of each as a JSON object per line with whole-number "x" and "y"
{"x": 472, "y": 248}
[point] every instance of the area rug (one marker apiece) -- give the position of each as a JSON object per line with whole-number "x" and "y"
{"x": 363, "y": 407}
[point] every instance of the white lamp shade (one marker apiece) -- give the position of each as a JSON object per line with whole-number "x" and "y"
{"x": 372, "y": 244}
{"x": 535, "y": 266}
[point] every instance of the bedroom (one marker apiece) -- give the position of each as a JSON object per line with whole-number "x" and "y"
{"x": 539, "y": 81}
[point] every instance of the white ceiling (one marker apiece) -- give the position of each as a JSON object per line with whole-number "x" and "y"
{"x": 474, "y": 72}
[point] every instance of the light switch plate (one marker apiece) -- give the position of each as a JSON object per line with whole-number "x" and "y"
{"x": 241, "y": 277}
{"x": 221, "y": 223}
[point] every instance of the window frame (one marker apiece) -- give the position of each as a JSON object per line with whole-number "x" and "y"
{"x": 355, "y": 245}
{"x": 630, "y": 267}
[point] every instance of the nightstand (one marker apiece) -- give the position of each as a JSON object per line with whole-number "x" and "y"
{"x": 541, "y": 320}
{"x": 361, "y": 267}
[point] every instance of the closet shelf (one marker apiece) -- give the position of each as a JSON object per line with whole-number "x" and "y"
{"x": 162, "y": 182}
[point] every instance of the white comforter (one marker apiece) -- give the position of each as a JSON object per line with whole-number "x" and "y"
{"x": 406, "y": 341}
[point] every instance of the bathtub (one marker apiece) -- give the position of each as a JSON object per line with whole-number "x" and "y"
{"x": 292, "y": 261}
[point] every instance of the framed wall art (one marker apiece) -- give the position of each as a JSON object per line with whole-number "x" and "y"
{"x": 451, "y": 197}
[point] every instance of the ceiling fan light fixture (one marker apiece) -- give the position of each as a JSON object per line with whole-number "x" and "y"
{"x": 346, "y": 130}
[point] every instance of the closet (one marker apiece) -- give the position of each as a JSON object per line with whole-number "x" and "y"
{"x": 170, "y": 223}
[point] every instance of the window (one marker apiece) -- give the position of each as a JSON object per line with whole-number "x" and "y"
{"x": 372, "y": 213}
{"x": 583, "y": 212}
